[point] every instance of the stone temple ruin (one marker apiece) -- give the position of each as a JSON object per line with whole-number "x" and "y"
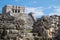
{"x": 9, "y": 9}
{"x": 15, "y": 24}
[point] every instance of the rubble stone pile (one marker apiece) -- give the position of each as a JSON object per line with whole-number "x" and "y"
{"x": 47, "y": 28}
{"x": 15, "y": 28}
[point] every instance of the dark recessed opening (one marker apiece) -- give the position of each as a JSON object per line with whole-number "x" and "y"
{"x": 15, "y": 11}
{"x": 18, "y": 11}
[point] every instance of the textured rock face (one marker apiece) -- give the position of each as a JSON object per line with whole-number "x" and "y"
{"x": 20, "y": 26}
{"x": 15, "y": 24}
{"x": 14, "y": 28}
{"x": 48, "y": 27}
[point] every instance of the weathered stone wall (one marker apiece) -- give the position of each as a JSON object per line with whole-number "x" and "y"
{"x": 10, "y": 9}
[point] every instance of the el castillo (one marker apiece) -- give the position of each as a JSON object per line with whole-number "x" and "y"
{"x": 15, "y": 24}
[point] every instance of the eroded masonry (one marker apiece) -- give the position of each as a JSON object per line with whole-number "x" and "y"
{"x": 15, "y": 24}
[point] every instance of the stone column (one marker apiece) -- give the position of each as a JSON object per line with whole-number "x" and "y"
{"x": 14, "y": 11}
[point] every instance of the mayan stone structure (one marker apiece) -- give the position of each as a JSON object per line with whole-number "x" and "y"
{"x": 13, "y": 10}
{"x": 15, "y": 24}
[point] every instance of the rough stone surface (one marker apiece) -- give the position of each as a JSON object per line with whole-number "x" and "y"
{"x": 14, "y": 28}
{"x": 47, "y": 27}
{"x": 16, "y": 25}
